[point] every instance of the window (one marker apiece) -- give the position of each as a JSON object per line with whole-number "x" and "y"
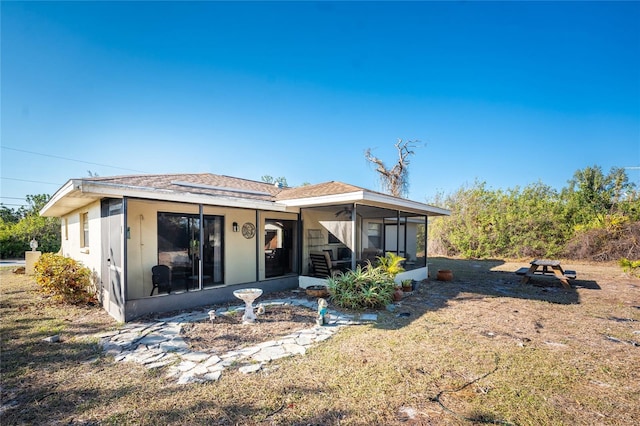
{"x": 333, "y": 239}
{"x": 66, "y": 228}
{"x": 374, "y": 235}
{"x": 84, "y": 235}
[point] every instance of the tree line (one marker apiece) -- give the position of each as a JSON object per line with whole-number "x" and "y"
{"x": 19, "y": 226}
{"x": 596, "y": 217}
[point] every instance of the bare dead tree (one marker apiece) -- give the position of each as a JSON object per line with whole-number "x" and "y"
{"x": 395, "y": 180}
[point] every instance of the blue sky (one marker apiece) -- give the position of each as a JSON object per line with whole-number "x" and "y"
{"x": 509, "y": 93}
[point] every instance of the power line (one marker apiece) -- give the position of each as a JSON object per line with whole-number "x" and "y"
{"x": 70, "y": 159}
{"x": 31, "y": 181}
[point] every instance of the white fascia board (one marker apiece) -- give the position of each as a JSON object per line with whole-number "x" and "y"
{"x": 405, "y": 204}
{"x": 374, "y": 199}
{"x": 324, "y": 200}
{"x": 65, "y": 190}
{"x": 118, "y": 191}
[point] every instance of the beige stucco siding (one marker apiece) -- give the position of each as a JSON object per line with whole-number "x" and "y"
{"x": 70, "y": 247}
{"x": 239, "y": 252}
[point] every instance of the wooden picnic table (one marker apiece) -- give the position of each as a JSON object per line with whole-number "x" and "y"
{"x": 547, "y": 267}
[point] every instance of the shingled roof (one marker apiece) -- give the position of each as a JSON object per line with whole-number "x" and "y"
{"x": 208, "y": 188}
{"x": 195, "y": 183}
{"x": 318, "y": 190}
{"x": 212, "y": 184}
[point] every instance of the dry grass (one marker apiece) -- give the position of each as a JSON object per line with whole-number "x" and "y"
{"x": 227, "y": 332}
{"x": 480, "y": 349}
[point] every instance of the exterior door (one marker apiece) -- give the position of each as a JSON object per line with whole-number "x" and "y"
{"x": 212, "y": 256}
{"x": 279, "y": 247}
{"x": 113, "y": 262}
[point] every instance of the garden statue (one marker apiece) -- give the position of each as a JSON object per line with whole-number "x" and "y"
{"x": 323, "y": 314}
{"x": 33, "y": 244}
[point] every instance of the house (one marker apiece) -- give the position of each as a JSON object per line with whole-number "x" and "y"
{"x": 220, "y": 233}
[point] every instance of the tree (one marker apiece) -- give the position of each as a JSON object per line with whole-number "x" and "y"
{"x": 281, "y": 181}
{"x": 9, "y": 215}
{"x": 495, "y": 223}
{"x": 395, "y": 180}
{"x": 18, "y": 227}
{"x": 592, "y": 195}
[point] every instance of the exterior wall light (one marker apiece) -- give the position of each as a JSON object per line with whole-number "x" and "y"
{"x": 235, "y": 227}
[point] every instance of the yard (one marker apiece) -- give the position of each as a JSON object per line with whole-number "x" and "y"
{"x": 482, "y": 348}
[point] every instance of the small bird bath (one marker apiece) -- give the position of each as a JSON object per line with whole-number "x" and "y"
{"x": 248, "y": 295}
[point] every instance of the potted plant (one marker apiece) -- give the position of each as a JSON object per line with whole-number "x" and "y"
{"x": 398, "y": 294}
{"x": 407, "y": 286}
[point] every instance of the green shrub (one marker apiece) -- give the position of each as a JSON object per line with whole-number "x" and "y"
{"x": 65, "y": 279}
{"x": 391, "y": 264}
{"x": 362, "y": 288}
{"x": 631, "y": 267}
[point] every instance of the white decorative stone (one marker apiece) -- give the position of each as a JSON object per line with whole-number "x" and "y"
{"x": 294, "y": 349}
{"x": 216, "y": 367}
{"x": 304, "y": 340}
{"x": 252, "y": 368}
{"x": 159, "y": 364}
{"x": 270, "y": 353}
{"x": 213, "y": 376}
{"x": 247, "y": 352}
{"x": 213, "y": 359}
{"x": 186, "y": 365}
{"x": 196, "y": 356}
{"x": 160, "y": 344}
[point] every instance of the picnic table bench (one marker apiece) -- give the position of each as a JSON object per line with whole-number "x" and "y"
{"x": 547, "y": 267}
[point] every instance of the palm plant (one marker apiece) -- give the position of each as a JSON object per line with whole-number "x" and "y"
{"x": 391, "y": 263}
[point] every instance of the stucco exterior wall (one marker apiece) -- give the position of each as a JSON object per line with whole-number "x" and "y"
{"x": 241, "y": 255}
{"x": 71, "y": 224}
{"x": 142, "y": 245}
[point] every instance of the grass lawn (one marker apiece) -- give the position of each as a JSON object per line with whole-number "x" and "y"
{"x": 483, "y": 348}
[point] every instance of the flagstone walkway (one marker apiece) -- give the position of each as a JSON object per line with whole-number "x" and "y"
{"x": 159, "y": 343}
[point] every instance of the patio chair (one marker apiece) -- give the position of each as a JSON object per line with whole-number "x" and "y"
{"x": 161, "y": 279}
{"x": 321, "y": 262}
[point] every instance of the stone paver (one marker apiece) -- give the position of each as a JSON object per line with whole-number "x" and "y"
{"x": 158, "y": 344}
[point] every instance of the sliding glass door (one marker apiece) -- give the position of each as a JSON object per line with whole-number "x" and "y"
{"x": 212, "y": 251}
{"x": 179, "y": 248}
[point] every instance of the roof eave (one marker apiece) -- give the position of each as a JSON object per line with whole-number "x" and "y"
{"x": 367, "y": 197}
{"x": 51, "y": 207}
{"x": 324, "y": 200}
{"x": 97, "y": 190}
{"x": 404, "y": 204}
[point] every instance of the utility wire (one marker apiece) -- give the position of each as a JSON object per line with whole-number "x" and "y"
{"x": 32, "y": 181}
{"x": 70, "y": 159}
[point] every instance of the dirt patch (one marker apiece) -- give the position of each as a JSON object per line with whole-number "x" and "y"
{"x": 227, "y": 332}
